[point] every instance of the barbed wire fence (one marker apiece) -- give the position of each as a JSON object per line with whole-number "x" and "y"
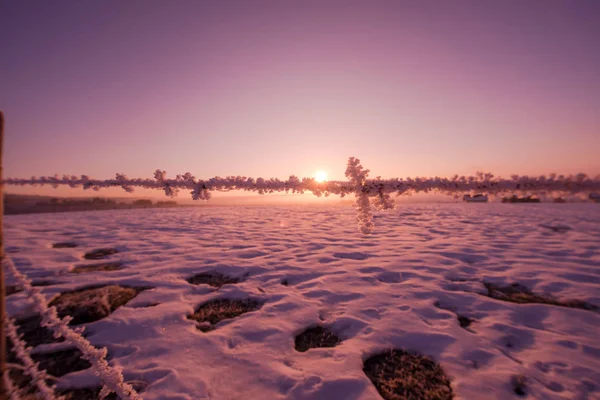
{"x": 111, "y": 377}
{"x": 370, "y": 194}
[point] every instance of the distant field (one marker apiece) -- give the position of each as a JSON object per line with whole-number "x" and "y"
{"x": 25, "y": 204}
{"x": 223, "y": 301}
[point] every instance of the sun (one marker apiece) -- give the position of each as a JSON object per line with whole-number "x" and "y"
{"x": 321, "y": 176}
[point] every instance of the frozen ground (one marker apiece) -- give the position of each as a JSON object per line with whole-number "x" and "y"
{"x": 401, "y": 287}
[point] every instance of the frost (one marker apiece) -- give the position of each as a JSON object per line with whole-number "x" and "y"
{"x": 112, "y": 377}
{"x": 357, "y": 184}
{"x": 30, "y": 367}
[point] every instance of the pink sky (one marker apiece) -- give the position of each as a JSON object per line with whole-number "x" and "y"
{"x": 278, "y": 88}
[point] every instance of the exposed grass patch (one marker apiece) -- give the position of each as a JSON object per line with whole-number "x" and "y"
{"x": 316, "y": 337}
{"x": 56, "y": 364}
{"x": 84, "y": 305}
{"x": 62, "y": 362}
{"x": 108, "y": 266}
{"x": 519, "y": 384}
{"x": 64, "y": 245}
{"x": 92, "y": 304}
{"x": 401, "y": 375}
{"x": 520, "y": 294}
{"x": 211, "y": 313}
{"x": 213, "y": 279}
{"x": 33, "y": 333}
{"x": 99, "y": 254}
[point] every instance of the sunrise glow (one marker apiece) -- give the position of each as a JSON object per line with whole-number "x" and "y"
{"x": 320, "y": 176}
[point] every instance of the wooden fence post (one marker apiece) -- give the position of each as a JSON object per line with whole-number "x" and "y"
{"x": 2, "y": 291}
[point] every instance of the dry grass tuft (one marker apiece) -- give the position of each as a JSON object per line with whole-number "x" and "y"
{"x": 402, "y": 375}
{"x": 519, "y": 294}
{"x": 99, "y": 254}
{"x": 64, "y": 245}
{"x": 92, "y": 304}
{"x": 211, "y": 313}
{"x": 109, "y": 266}
{"x": 213, "y": 279}
{"x": 316, "y": 337}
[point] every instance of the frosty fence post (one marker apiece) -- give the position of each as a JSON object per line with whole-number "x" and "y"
{"x": 2, "y": 311}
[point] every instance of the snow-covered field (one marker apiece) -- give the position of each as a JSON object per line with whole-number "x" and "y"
{"x": 402, "y": 287}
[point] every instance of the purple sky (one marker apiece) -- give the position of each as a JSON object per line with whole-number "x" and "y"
{"x": 278, "y": 88}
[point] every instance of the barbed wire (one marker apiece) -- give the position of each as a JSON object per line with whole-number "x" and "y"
{"x": 12, "y": 391}
{"x": 358, "y": 184}
{"x": 31, "y": 367}
{"x": 110, "y": 376}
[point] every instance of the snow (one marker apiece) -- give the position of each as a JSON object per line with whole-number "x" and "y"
{"x": 400, "y": 287}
